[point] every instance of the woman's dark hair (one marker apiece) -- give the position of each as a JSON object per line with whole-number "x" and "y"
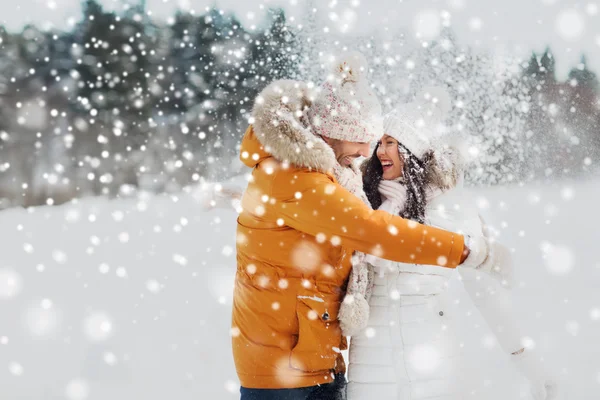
{"x": 414, "y": 175}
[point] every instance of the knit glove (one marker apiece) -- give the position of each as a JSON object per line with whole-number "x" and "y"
{"x": 353, "y": 314}
{"x": 394, "y": 191}
{"x": 354, "y": 310}
{"x": 543, "y": 385}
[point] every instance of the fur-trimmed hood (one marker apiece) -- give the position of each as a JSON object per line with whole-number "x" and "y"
{"x": 281, "y": 126}
{"x": 444, "y": 168}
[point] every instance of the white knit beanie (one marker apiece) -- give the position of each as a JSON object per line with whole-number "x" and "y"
{"x": 416, "y": 125}
{"x": 346, "y": 108}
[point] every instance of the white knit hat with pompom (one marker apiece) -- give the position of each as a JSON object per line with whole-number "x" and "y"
{"x": 416, "y": 125}
{"x": 346, "y": 108}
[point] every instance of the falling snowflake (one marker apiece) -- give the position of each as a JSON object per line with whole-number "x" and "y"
{"x": 98, "y": 327}
{"x": 77, "y": 389}
{"x": 15, "y": 368}
{"x": 570, "y": 24}
{"x": 153, "y": 286}
{"x": 11, "y": 283}
{"x": 427, "y": 24}
{"x": 559, "y": 260}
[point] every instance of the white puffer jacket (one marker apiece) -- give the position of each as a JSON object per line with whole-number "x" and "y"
{"x": 407, "y": 351}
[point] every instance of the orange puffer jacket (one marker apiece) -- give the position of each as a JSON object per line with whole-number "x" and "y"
{"x": 296, "y": 234}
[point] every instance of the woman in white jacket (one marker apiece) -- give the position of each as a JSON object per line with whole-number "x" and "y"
{"x": 401, "y": 346}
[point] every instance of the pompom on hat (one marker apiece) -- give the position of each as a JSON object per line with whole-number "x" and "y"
{"x": 346, "y": 108}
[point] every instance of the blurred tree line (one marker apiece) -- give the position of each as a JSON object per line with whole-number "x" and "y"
{"x": 563, "y": 124}
{"x": 517, "y": 122}
{"x": 119, "y": 102}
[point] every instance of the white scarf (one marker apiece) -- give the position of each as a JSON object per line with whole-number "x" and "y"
{"x": 394, "y": 200}
{"x": 360, "y": 281}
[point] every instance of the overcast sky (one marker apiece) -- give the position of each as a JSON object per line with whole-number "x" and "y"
{"x": 569, "y": 27}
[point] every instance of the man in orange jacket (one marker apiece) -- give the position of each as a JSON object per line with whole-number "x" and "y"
{"x": 299, "y": 228}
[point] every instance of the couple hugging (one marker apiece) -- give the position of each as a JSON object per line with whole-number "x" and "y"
{"x": 326, "y": 250}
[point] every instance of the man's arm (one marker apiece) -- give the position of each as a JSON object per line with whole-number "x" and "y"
{"x": 326, "y": 210}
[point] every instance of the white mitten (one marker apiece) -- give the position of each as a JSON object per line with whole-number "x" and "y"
{"x": 499, "y": 264}
{"x": 479, "y": 251}
{"x": 492, "y": 258}
{"x": 543, "y": 386}
{"x": 394, "y": 191}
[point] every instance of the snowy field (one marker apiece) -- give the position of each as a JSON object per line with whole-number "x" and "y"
{"x": 130, "y": 299}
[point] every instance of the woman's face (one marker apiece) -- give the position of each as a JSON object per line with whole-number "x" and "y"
{"x": 390, "y": 158}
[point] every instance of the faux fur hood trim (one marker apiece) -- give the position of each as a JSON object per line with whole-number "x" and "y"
{"x": 444, "y": 168}
{"x": 281, "y": 125}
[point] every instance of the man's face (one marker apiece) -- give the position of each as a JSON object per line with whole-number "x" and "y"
{"x": 346, "y": 152}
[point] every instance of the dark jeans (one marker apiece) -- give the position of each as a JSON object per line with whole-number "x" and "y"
{"x": 335, "y": 390}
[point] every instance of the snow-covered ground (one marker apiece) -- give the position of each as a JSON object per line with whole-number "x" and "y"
{"x": 130, "y": 299}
